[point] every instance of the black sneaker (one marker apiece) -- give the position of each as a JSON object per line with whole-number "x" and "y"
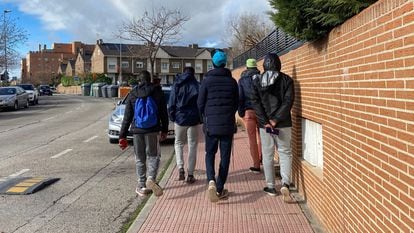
{"x": 190, "y": 179}
{"x": 181, "y": 174}
{"x": 223, "y": 195}
{"x": 254, "y": 169}
{"x": 286, "y": 193}
{"x": 270, "y": 191}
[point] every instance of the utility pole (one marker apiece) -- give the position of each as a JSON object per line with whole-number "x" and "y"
{"x": 120, "y": 61}
{"x": 5, "y": 42}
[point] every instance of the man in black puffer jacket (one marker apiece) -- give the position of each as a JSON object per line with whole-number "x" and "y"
{"x": 217, "y": 102}
{"x": 273, "y": 100}
{"x": 145, "y": 139}
{"x": 183, "y": 111}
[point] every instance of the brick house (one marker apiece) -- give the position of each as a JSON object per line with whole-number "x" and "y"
{"x": 169, "y": 61}
{"x": 42, "y": 65}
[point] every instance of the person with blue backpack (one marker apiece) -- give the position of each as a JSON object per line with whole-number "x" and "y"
{"x": 183, "y": 111}
{"x": 146, "y": 114}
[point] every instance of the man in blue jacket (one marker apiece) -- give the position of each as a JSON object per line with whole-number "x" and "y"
{"x": 183, "y": 111}
{"x": 218, "y": 102}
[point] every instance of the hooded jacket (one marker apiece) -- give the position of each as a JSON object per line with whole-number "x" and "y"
{"x": 182, "y": 105}
{"x": 144, "y": 90}
{"x": 246, "y": 90}
{"x": 273, "y": 94}
{"x": 218, "y": 101}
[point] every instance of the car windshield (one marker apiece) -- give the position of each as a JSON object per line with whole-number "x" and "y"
{"x": 26, "y": 86}
{"x": 7, "y": 91}
{"x": 45, "y": 87}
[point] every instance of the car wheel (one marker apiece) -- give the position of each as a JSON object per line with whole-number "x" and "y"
{"x": 113, "y": 141}
{"x": 16, "y": 106}
{"x": 36, "y": 101}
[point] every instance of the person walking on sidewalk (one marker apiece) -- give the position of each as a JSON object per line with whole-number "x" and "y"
{"x": 183, "y": 111}
{"x": 146, "y": 146}
{"x": 247, "y": 112}
{"x": 218, "y": 102}
{"x": 273, "y": 100}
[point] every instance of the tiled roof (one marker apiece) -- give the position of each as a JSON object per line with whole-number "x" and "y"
{"x": 127, "y": 50}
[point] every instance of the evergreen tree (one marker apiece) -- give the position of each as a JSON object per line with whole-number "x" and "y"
{"x": 313, "y": 19}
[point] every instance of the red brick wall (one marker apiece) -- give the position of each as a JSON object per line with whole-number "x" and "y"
{"x": 359, "y": 84}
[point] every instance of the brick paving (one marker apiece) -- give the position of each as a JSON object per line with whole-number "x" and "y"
{"x": 186, "y": 208}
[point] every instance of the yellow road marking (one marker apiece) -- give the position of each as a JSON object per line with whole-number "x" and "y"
{"x": 17, "y": 189}
{"x": 25, "y": 184}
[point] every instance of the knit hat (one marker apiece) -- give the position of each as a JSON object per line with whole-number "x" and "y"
{"x": 219, "y": 58}
{"x": 251, "y": 63}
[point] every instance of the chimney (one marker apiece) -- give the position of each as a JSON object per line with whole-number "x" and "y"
{"x": 193, "y": 46}
{"x": 44, "y": 47}
{"x": 40, "y": 48}
{"x": 99, "y": 41}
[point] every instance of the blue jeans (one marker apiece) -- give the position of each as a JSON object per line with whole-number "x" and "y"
{"x": 212, "y": 144}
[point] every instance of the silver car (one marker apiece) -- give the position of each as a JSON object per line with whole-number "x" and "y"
{"x": 117, "y": 116}
{"x": 13, "y": 97}
{"x": 33, "y": 92}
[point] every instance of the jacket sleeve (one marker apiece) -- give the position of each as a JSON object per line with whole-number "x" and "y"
{"x": 172, "y": 104}
{"x": 258, "y": 106}
{"x": 128, "y": 117}
{"x": 236, "y": 96}
{"x": 201, "y": 100}
{"x": 242, "y": 99}
{"x": 288, "y": 97}
{"x": 162, "y": 110}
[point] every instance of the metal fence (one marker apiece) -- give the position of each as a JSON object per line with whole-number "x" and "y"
{"x": 277, "y": 41}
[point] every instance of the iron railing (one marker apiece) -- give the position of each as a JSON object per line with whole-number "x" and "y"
{"x": 277, "y": 41}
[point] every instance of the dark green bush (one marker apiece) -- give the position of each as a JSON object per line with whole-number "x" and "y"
{"x": 313, "y": 19}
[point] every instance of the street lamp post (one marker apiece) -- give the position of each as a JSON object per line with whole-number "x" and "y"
{"x": 5, "y": 41}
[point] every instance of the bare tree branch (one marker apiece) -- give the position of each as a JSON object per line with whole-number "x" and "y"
{"x": 245, "y": 31}
{"x": 156, "y": 28}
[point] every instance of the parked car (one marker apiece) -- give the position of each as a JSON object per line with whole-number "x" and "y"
{"x": 33, "y": 92}
{"x": 53, "y": 89}
{"x": 13, "y": 97}
{"x": 117, "y": 116}
{"x": 45, "y": 90}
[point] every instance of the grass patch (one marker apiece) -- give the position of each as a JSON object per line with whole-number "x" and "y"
{"x": 136, "y": 212}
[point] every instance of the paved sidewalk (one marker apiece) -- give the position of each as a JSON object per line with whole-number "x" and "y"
{"x": 186, "y": 208}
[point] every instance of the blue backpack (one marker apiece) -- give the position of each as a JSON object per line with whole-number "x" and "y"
{"x": 146, "y": 113}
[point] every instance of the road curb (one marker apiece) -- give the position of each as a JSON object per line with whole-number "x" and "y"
{"x": 146, "y": 210}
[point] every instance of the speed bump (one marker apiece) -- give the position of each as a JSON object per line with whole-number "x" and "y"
{"x": 25, "y": 185}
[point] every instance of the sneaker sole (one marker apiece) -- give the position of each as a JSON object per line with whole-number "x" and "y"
{"x": 286, "y": 194}
{"x": 156, "y": 189}
{"x": 271, "y": 194}
{"x": 212, "y": 193}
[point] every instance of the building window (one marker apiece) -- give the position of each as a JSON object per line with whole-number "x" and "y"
{"x": 187, "y": 64}
{"x": 125, "y": 64}
{"x": 312, "y": 143}
{"x": 198, "y": 68}
{"x": 111, "y": 66}
{"x": 164, "y": 65}
{"x": 176, "y": 65}
{"x": 210, "y": 66}
{"x": 140, "y": 64}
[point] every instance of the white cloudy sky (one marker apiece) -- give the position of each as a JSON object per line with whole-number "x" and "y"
{"x": 87, "y": 20}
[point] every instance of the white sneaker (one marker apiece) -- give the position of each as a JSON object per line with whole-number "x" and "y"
{"x": 212, "y": 191}
{"x": 156, "y": 189}
{"x": 285, "y": 193}
{"x": 142, "y": 191}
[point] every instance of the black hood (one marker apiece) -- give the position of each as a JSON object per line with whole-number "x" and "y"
{"x": 272, "y": 62}
{"x": 143, "y": 90}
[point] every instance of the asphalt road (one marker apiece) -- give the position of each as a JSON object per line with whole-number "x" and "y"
{"x": 65, "y": 137}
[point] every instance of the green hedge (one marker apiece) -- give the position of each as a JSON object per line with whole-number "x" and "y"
{"x": 313, "y": 19}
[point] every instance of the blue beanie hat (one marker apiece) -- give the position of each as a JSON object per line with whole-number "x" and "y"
{"x": 219, "y": 58}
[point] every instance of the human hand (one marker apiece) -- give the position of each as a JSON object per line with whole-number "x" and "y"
{"x": 123, "y": 143}
{"x": 163, "y": 136}
{"x": 273, "y": 123}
